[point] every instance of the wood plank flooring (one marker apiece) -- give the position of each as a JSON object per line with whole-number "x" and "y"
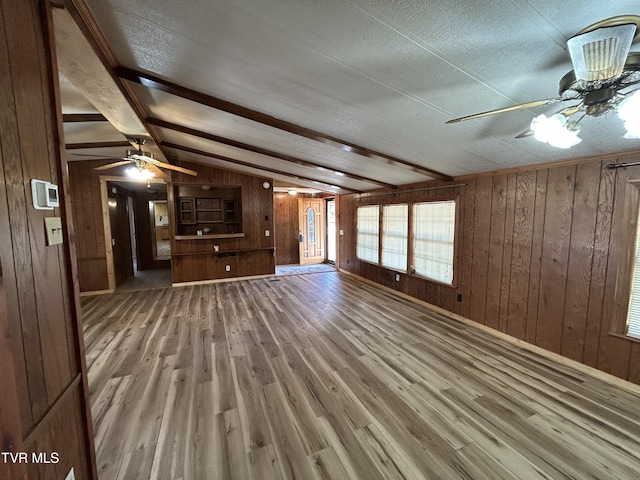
{"x": 325, "y": 377}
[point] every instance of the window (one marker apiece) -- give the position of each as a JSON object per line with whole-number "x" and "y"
{"x": 633, "y": 313}
{"x": 433, "y": 240}
{"x": 367, "y": 226}
{"x": 395, "y": 226}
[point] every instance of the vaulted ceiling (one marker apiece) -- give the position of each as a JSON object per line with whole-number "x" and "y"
{"x": 337, "y": 95}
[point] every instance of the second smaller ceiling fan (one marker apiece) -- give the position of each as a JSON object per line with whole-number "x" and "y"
{"x": 145, "y": 165}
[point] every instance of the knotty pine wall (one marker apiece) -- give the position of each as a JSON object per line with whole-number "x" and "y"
{"x": 191, "y": 260}
{"x": 536, "y": 256}
{"x": 44, "y": 403}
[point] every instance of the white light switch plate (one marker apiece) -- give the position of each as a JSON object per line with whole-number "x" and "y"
{"x": 53, "y": 226}
{"x": 267, "y": 233}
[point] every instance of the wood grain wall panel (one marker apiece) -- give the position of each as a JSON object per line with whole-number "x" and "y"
{"x": 496, "y": 250}
{"x": 41, "y": 300}
{"x": 537, "y": 257}
{"x": 555, "y": 256}
{"x": 466, "y": 259}
{"x": 507, "y": 253}
{"x": 614, "y": 352}
{"x": 87, "y": 214}
{"x": 602, "y": 236}
{"x": 585, "y": 204}
{"x": 286, "y": 229}
{"x": 521, "y": 253}
{"x": 12, "y": 192}
{"x": 480, "y": 257}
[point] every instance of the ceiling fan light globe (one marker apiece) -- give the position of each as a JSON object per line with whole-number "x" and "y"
{"x": 629, "y": 108}
{"x": 139, "y": 173}
{"x": 633, "y": 128}
{"x": 564, "y": 139}
{"x": 544, "y": 128}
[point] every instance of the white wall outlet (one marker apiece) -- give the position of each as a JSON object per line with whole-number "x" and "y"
{"x": 227, "y": 268}
{"x": 341, "y": 232}
{"x": 267, "y": 233}
{"x": 71, "y": 475}
{"x": 397, "y": 277}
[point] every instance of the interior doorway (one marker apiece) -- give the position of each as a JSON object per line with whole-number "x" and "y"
{"x": 136, "y": 234}
{"x": 331, "y": 231}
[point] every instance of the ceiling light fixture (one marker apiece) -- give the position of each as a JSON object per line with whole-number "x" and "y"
{"x": 292, "y": 191}
{"x": 605, "y": 78}
{"x": 139, "y": 172}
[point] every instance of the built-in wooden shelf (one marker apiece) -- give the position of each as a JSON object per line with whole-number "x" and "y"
{"x": 222, "y": 252}
{"x": 209, "y": 236}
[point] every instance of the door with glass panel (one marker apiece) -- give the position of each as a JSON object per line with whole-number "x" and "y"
{"x": 311, "y": 230}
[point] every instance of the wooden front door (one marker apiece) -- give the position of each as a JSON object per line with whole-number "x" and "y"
{"x": 311, "y": 230}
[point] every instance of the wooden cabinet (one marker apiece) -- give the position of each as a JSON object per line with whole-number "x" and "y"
{"x": 207, "y": 211}
{"x": 186, "y": 211}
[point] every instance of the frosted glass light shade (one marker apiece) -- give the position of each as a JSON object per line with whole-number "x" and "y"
{"x": 601, "y": 53}
{"x": 552, "y": 130}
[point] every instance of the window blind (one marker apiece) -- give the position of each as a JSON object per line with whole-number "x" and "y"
{"x": 367, "y": 226}
{"x": 395, "y": 226}
{"x": 633, "y": 314}
{"x": 433, "y": 240}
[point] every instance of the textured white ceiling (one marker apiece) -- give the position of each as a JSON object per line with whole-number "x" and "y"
{"x": 384, "y": 75}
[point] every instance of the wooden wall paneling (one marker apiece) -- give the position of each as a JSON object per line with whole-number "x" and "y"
{"x": 88, "y": 215}
{"x": 18, "y": 200}
{"x": 10, "y": 191}
{"x": 36, "y": 278}
{"x": 531, "y": 325}
{"x": 10, "y": 422}
{"x": 28, "y": 63}
{"x": 614, "y": 352}
{"x": 555, "y": 256}
{"x": 585, "y": 204}
{"x": 634, "y": 363}
{"x": 479, "y": 267}
{"x": 524, "y": 202}
{"x": 496, "y": 250}
{"x": 602, "y": 236}
{"x": 507, "y": 252}
{"x": 465, "y": 232}
{"x": 286, "y": 229}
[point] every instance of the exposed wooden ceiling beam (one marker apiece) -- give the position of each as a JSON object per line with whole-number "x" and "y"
{"x": 263, "y": 151}
{"x": 251, "y": 165}
{"x": 151, "y": 81}
{"x": 76, "y": 146}
{"x": 83, "y": 117}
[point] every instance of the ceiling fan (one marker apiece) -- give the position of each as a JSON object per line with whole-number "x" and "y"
{"x": 602, "y": 68}
{"x": 145, "y": 165}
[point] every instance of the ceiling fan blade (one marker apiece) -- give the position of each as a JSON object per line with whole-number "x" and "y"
{"x": 168, "y": 166}
{"x": 527, "y": 133}
{"x": 158, "y": 173}
{"x": 91, "y": 155}
{"x": 537, "y": 103}
{"x": 113, "y": 165}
